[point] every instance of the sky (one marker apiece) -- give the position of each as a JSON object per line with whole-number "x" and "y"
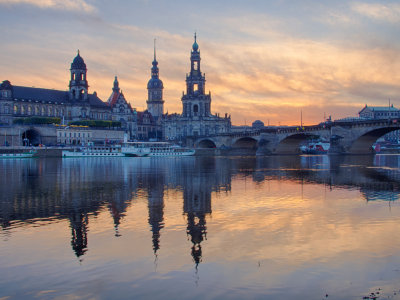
{"x": 275, "y": 61}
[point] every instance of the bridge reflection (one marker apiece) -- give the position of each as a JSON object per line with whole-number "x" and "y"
{"x": 76, "y": 189}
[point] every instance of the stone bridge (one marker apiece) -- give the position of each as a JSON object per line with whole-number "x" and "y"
{"x": 345, "y": 137}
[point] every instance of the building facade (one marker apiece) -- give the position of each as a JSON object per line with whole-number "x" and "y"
{"x": 75, "y": 104}
{"x": 379, "y": 112}
{"x": 122, "y": 111}
{"x": 72, "y": 105}
{"x": 196, "y": 118}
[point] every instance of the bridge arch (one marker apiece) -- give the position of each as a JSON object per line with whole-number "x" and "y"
{"x": 245, "y": 142}
{"x": 206, "y": 143}
{"x": 363, "y": 144}
{"x": 291, "y": 143}
{"x": 31, "y": 136}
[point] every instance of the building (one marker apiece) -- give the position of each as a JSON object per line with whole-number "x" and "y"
{"x": 122, "y": 111}
{"x": 149, "y": 122}
{"x": 146, "y": 126}
{"x": 379, "y": 112}
{"x": 196, "y": 118}
{"x": 18, "y": 103}
{"x": 72, "y": 105}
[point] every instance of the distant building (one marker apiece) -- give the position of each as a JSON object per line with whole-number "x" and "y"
{"x": 146, "y": 126}
{"x": 155, "y": 103}
{"x": 75, "y": 104}
{"x": 257, "y": 124}
{"x": 379, "y": 112}
{"x": 196, "y": 118}
{"x": 72, "y": 105}
{"x": 122, "y": 111}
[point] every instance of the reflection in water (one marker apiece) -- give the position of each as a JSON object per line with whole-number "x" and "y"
{"x": 33, "y": 190}
{"x": 49, "y": 190}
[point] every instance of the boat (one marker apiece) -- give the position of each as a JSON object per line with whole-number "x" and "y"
{"x": 319, "y": 147}
{"x": 18, "y": 154}
{"x": 155, "y": 149}
{"x": 94, "y": 151}
{"x": 129, "y": 149}
{"x": 135, "y": 149}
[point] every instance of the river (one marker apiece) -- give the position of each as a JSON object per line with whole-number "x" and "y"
{"x": 282, "y": 227}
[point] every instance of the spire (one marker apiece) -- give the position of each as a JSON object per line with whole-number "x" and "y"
{"x": 155, "y": 59}
{"x": 195, "y": 45}
{"x": 154, "y": 69}
{"x": 116, "y": 85}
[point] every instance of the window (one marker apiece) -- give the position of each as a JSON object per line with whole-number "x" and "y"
{"x": 195, "y": 109}
{"x": 16, "y": 109}
{"x": 195, "y": 87}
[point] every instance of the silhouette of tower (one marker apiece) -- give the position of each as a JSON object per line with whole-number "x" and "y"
{"x": 197, "y": 204}
{"x": 156, "y": 215}
{"x": 195, "y": 102}
{"x": 155, "y": 102}
{"x": 79, "y": 223}
{"x": 78, "y": 85}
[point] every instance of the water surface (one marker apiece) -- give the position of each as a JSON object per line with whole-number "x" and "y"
{"x": 200, "y": 228}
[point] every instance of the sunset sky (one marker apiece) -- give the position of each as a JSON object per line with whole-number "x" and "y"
{"x": 266, "y": 60}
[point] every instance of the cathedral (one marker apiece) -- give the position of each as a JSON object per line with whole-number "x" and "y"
{"x": 196, "y": 118}
{"x": 77, "y": 104}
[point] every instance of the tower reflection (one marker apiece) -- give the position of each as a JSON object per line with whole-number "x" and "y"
{"x": 76, "y": 189}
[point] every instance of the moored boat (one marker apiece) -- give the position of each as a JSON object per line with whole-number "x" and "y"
{"x": 315, "y": 148}
{"x": 18, "y": 154}
{"x": 94, "y": 151}
{"x": 158, "y": 149}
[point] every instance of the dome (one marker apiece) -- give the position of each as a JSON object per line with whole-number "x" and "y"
{"x": 257, "y": 124}
{"x": 78, "y": 63}
{"x": 155, "y": 83}
{"x": 6, "y": 85}
{"x": 195, "y": 46}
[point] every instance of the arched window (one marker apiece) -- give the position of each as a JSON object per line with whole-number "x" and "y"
{"x": 195, "y": 109}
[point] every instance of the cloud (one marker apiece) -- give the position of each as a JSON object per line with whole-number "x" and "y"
{"x": 69, "y": 5}
{"x": 378, "y": 11}
{"x": 255, "y": 71}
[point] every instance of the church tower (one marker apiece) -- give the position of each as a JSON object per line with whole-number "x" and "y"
{"x": 78, "y": 85}
{"x": 195, "y": 102}
{"x": 155, "y": 102}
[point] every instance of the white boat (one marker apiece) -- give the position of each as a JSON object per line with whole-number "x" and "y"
{"x": 94, "y": 151}
{"x": 18, "y": 155}
{"x": 156, "y": 149}
{"x": 135, "y": 149}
